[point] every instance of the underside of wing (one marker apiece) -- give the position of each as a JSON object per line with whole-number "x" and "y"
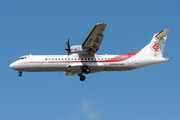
{"x": 93, "y": 41}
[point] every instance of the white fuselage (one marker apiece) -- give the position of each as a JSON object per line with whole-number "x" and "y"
{"x": 74, "y": 62}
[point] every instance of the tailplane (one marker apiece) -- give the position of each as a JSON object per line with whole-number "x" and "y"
{"x": 156, "y": 47}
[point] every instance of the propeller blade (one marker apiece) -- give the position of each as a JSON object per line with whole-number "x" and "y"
{"x": 68, "y": 46}
{"x": 67, "y": 43}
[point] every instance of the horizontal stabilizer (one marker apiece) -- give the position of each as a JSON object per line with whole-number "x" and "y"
{"x": 163, "y": 33}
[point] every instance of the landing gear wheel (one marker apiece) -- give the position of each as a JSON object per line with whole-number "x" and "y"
{"x": 20, "y": 73}
{"x": 87, "y": 70}
{"x": 82, "y": 77}
{"x": 84, "y": 68}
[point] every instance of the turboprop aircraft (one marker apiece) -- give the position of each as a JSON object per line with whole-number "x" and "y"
{"x": 84, "y": 60}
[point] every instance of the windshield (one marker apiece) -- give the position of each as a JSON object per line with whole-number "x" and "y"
{"x": 22, "y": 58}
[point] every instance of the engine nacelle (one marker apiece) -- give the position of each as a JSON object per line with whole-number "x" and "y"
{"x": 77, "y": 49}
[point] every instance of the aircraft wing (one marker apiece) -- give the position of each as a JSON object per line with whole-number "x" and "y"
{"x": 93, "y": 41}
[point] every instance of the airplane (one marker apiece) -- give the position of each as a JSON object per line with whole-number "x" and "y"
{"x": 84, "y": 60}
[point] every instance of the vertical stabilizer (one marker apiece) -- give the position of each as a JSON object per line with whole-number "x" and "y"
{"x": 156, "y": 47}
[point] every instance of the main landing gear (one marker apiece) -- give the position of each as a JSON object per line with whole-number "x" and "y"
{"x": 85, "y": 70}
{"x": 20, "y": 73}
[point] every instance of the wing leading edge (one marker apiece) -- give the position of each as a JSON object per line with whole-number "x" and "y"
{"x": 93, "y": 41}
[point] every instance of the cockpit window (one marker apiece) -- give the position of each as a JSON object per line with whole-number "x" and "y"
{"x": 22, "y": 58}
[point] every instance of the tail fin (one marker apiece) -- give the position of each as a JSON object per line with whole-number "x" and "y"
{"x": 156, "y": 47}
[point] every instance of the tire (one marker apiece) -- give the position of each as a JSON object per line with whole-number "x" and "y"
{"x": 82, "y": 77}
{"x": 87, "y": 70}
{"x": 20, "y": 74}
{"x": 83, "y": 69}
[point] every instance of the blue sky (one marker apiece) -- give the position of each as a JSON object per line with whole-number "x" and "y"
{"x": 42, "y": 27}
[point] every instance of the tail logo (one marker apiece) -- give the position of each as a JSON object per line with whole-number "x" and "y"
{"x": 155, "y": 47}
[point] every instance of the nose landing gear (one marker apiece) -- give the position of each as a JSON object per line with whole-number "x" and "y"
{"x": 20, "y": 73}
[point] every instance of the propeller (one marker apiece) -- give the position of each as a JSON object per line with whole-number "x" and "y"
{"x": 68, "y": 49}
{"x": 68, "y": 46}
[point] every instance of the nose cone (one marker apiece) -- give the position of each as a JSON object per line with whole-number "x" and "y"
{"x": 167, "y": 59}
{"x": 12, "y": 65}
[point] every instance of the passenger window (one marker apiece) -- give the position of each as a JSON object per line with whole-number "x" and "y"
{"x": 101, "y": 58}
{"x": 91, "y": 58}
{"x": 98, "y": 58}
{"x": 111, "y": 58}
{"x": 105, "y": 58}
{"x": 124, "y": 58}
{"x": 78, "y": 58}
{"x": 55, "y": 58}
{"x": 61, "y": 58}
{"x": 65, "y": 58}
{"x": 108, "y": 58}
{"x": 88, "y": 58}
{"x": 68, "y": 58}
{"x": 121, "y": 58}
{"x": 118, "y": 58}
{"x": 81, "y": 58}
{"x": 52, "y": 58}
{"x": 71, "y": 58}
{"x": 74, "y": 58}
{"x": 114, "y": 58}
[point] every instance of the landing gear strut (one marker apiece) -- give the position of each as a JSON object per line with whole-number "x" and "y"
{"x": 82, "y": 77}
{"x": 20, "y": 73}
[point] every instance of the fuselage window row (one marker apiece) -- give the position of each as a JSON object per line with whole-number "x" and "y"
{"x": 86, "y": 59}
